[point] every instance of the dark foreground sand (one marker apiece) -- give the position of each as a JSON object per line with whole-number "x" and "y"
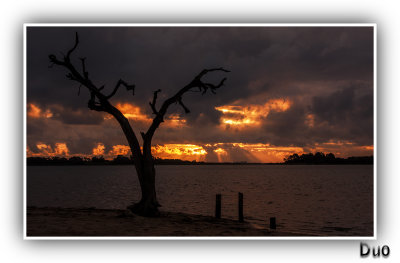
{"x": 90, "y": 222}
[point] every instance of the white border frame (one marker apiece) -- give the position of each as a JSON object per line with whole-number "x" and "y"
{"x": 373, "y": 25}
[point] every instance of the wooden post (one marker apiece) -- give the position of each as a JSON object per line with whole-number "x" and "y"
{"x": 218, "y": 206}
{"x": 272, "y": 223}
{"x": 240, "y": 207}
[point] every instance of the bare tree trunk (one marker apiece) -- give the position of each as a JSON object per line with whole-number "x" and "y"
{"x": 148, "y": 204}
{"x": 144, "y": 165}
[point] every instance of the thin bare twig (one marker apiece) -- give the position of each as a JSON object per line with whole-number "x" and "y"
{"x": 123, "y": 83}
{"x": 153, "y": 104}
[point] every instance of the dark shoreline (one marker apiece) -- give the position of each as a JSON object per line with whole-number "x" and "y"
{"x": 191, "y": 164}
{"x": 304, "y": 159}
{"x": 93, "y": 222}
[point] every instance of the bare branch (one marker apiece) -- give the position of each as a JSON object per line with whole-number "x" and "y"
{"x": 177, "y": 98}
{"x": 183, "y": 105}
{"x": 70, "y": 76}
{"x": 212, "y": 87}
{"x": 218, "y": 86}
{"x": 93, "y": 105}
{"x": 74, "y": 47}
{"x": 98, "y": 101}
{"x": 123, "y": 83}
{"x": 205, "y": 71}
{"x": 54, "y": 60}
{"x": 153, "y": 104}
{"x": 85, "y": 73}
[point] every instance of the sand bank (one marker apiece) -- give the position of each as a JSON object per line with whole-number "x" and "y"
{"x": 92, "y": 222}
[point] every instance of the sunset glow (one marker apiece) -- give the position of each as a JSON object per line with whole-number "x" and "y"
{"x": 179, "y": 151}
{"x": 276, "y": 100}
{"x": 175, "y": 121}
{"x": 250, "y": 116}
{"x": 132, "y": 112}
{"x": 217, "y": 152}
{"x": 46, "y": 150}
{"x": 119, "y": 150}
{"x": 135, "y": 113}
{"x": 310, "y": 120}
{"x": 35, "y": 112}
{"x": 99, "y": 149}
{"x": 220, "y": 151}
{"x": 344, "y": 148}
{"x": 221, "y": 155}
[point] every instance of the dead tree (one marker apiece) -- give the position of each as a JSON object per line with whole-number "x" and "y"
{"x": 142, "y": 158}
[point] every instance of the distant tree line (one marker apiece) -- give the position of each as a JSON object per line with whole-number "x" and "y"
{"x": 321, "y": 158}
{"x": 307, "y": 158}
{"x": 98, "y": 160}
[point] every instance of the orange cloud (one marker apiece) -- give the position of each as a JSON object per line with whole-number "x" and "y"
{"x": 343, "y": 148}
{"x": 368, "y": 148}
{"x": 175, "y": 121}
{"x": 179, "y": 151}
{"x": 132, "y": 112}
{"x": 310, "y": 120}
{"x": 46, "y": 150}
{"x": 250, "y": 116}
{"x": 35, "y": 112}
{"x": 61, "y": 149}
{"x": 221, "y": 155}
{"x": 99, "y": 149}
{"x": 221, "y": 152}
{"x": 266, "y": 153}
{"x": 119, "y": 150}
{"x": 135, "y": 113}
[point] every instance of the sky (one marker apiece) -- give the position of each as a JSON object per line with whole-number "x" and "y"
{"x": 289, "y": 90}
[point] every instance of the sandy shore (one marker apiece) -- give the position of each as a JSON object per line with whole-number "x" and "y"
{"x": 89, "y": 222}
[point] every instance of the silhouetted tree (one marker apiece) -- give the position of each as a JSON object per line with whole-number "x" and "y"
{"x": 321, "y": 158}
{"x": 98, "y": 159}
{"x": 120, "y": 159}
{"x": 330, "y": 158}
{"x": 143, "y": 159}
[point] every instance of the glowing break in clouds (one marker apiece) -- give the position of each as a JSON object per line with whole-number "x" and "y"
{"x": 251, "y": 115}
{"x": 132, "y": 112}
{"x": 179, "y": 151}
{"x": 343, "y": 148}
{"x": 250, "y": 152}
{"x": 99, "y": 149}
{"x": 46, "y": 150}
{"x": 310, "y": 120}
{"x": 120, "y": 150}
{"x": 217, "y": 152}
{"x": 167, "y": 151}
{"x": 135, "y": 113}
{"x": 34, "y": 111}
{"x": 175, "y": 121}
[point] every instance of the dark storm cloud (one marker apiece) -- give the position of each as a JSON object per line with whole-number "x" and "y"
{"x": 315, "y": 67}
{"x": 336, "y": 107}
{"x": 347, "y": 114}
{"x": 76, "y": 116}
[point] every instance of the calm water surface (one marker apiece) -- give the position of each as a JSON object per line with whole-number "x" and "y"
{"x": 327, "y": 200}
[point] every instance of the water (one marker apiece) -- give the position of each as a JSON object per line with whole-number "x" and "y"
{"x": 326, "y": 200}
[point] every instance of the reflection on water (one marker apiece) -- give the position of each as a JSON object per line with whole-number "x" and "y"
{"x": 322, "y": 199}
